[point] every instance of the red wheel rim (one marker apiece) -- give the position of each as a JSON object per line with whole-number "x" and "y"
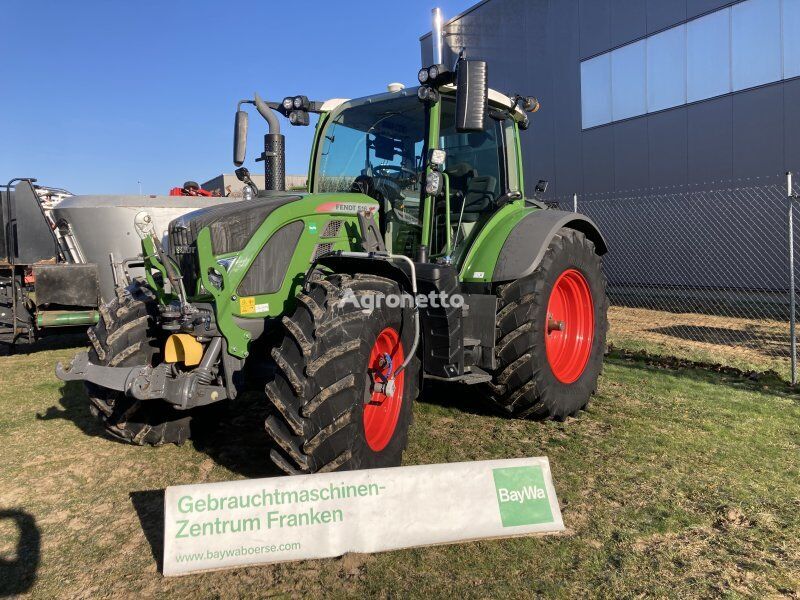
{"x": 382, "y": 411}
{"x": 569, "y": 330}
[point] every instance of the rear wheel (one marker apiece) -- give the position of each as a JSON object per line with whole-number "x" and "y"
{"x": 551, "y": 332}
{"x": 124, "y": 337}
{"x": 327, "y": 414}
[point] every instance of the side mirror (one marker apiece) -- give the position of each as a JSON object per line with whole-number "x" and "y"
{"x": 239, "y": 138}
{"x": 471, "y": 95}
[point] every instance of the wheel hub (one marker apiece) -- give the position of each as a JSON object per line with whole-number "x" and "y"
{"x": 383, "y": 401}
{"x": 570, "y": 326}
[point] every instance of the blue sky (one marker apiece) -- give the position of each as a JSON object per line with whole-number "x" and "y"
{"x": 97, "y": 96}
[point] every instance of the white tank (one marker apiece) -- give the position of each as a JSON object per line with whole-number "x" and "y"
{"x": 104, "y": 224}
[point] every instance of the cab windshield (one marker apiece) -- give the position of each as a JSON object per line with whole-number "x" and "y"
{"x": 378, "y": 148}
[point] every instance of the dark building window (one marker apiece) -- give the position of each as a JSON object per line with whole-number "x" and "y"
{"x": 751, "y": 43}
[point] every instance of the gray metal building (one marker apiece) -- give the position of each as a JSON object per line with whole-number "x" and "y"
{"x": 644, "y": 93}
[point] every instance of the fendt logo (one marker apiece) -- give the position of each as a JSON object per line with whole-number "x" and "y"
{"x": 522, "y": 496}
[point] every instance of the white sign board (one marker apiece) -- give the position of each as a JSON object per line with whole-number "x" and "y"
{"x": 254, "y": 521}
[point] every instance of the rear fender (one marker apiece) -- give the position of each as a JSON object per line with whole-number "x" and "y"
{"x": 515, "y": 251}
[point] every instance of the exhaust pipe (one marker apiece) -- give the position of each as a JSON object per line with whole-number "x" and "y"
{"x": 436, "y": 38}
{"x": 274, "y": 155}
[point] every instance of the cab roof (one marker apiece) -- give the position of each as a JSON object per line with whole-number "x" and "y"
{"x": 495, "y": 98}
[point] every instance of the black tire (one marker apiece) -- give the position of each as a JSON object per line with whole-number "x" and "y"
{"x": 317, "y": 395}
{"x": 125, "y": 337}
{"x": 524, "y": 384}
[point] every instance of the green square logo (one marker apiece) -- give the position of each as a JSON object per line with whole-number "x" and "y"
{"x": 522, "y": 496}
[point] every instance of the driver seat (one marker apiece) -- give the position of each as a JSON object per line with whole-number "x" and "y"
{"x": 478, "y": 199}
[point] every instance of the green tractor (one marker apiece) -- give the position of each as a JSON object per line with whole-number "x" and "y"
{"x": 414, "y": 255}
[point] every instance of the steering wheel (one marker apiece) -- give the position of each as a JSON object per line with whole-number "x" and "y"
{"x": 386, "y": 171}
{"x": 392, "y": 178}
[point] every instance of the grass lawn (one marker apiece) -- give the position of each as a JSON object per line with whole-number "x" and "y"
{"x": 747, "y": 344}
{"x": 673, "y": 483}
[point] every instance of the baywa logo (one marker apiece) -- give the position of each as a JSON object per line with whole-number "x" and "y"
{"x": 370, "y": 301}
{"x": 522, "y": 496}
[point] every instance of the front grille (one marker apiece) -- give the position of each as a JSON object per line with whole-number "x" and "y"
{"x": 183, "y": 250}
{"x": 331, "y": 229}
{"x": 321, "y": 249}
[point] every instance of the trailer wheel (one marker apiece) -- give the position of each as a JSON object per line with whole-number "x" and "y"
{"x": 124, "y": 336}
{"x": 325, "y": 415}
{"x": 551, "y": 333}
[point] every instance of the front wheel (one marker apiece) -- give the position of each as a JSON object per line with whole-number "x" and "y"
{"x": 126, "y": 336}
{"x": 327, "y": 414}
{"x": 551, "y": 332}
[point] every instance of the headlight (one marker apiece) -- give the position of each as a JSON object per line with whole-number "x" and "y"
{"x": 423, "y": 75}
{"x": 438, "y": 157}
{"x": 433, "y": 183}
{"x": 227, "y": 263}
{"x": 215, "y": 278}
{"x": 298, "y": 117}
{"x": 427, "y": 94}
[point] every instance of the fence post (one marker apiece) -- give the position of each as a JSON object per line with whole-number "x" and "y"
{"x": 574, "y": 202}
{"x": 792, "y": 323}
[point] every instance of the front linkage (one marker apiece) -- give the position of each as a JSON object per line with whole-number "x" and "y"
{"x": 144, "y": 382}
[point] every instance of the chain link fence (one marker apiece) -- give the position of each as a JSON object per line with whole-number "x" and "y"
{"x": 701, "y": 273}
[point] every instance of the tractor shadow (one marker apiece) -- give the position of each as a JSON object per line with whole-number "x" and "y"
{"x": 233, "y": 436}
{"x": 73, "y": 406}
{"x": 460, "y": 397}
{"x": 232, "y": 433}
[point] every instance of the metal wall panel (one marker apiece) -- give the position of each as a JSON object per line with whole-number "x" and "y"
{"x": 668, "y": 133}
{"x": 758, "y": 132}
{"x": 598, "y": 160}
{"x": 664, "y": 13}
{"x": 791, "y": 125}
{"x": 631, "y": 155}
{"x": 710, "y": 140}
{"x": 595, "y": 26}
{"x": 628, "y": 21}
{"x": 699, "y": 7}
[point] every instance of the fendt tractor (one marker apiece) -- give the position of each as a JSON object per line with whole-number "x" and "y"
{"x": 414, "y": 254}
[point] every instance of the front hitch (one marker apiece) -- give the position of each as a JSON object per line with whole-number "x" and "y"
{"x": 144, "y": 382}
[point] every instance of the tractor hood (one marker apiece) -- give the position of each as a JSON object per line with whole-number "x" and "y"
{"x": 231, "y": 225}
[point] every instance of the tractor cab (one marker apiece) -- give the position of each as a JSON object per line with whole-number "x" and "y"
{"x": 381, "y": 146}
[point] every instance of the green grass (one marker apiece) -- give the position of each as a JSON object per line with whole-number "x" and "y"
{"x": 673, "y": 483}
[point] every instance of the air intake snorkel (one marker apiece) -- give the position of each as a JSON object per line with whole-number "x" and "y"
{"x": 274, "y": 154}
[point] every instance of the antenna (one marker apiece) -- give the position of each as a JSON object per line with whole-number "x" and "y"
{"x": 438, "y": 21}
